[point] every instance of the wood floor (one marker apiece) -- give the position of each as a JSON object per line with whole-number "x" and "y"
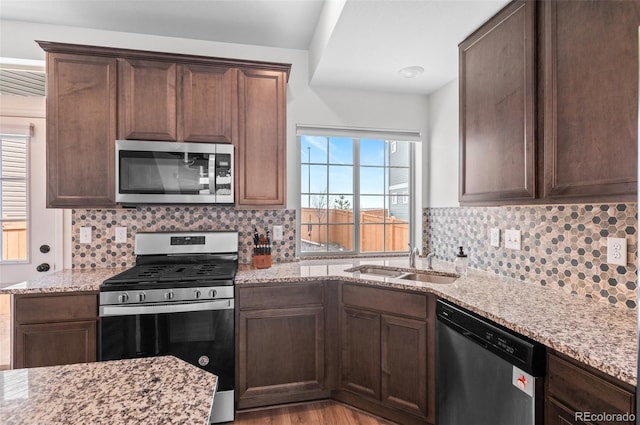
{"x": 315, "y": 413}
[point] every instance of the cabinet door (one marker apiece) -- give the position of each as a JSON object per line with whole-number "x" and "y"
{"x": 261, "y": 153}
{"x": 591, "y": 99}
{"x": 281, "y": 356}
{"x": 147, "y": 100}
{"x": 81, "y": 130}
{"x": 205, "y": 110}
{"x": 404, "y": 364}
{"x": 557, "y": 414}
{"x": 583, "y": 391}
{"x": 360, "y": 342}
{"x": 497, "y": 108}
{"x": 50, "y": 344}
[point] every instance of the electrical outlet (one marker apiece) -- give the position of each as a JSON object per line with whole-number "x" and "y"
{"x": 85, "y": 234}
{"x": 512, "y": 239}
{"x": 121, "y": 234}
{"x": 278, "y": 233}
{"x": 495, "y": 237}
{"x": 617, "y": 251}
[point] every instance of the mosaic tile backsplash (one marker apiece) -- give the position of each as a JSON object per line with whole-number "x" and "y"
{"x": 563, "y": 247}
{"x": 105, "y": 252}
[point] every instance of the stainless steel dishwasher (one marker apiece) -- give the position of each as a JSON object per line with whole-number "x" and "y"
{"x": 486, "y": 374}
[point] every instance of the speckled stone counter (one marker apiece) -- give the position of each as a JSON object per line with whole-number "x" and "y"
{"x": 158, "y": 390}
{"x": 594, "y": 333}
{"x": 64, "y": 281}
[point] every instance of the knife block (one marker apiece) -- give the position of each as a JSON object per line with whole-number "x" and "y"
{"x": 262, "y": 261}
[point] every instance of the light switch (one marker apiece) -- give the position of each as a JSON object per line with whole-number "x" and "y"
{"x": 495, "y": 237}
{"x": 85, "y": 234}
{"x": 512, "y": 239}
{"x": 277, "y": 233}
{"x": 617, "y": 251}
{"x": 121, "y": 234}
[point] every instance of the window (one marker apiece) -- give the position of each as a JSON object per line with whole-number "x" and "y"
{"x": 13, "y": 198}
{"x": 355, "y": 194}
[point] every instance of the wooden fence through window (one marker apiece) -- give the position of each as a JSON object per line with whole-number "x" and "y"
{"x": 375, "y": 225}
{"x": 14, "y": 241}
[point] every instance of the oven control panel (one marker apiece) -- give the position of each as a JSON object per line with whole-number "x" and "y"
{"x": 172, "y": 295}
{"x": 187, "y": 240}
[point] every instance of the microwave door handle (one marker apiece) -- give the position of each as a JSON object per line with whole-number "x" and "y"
{"x": 212, "y": 174}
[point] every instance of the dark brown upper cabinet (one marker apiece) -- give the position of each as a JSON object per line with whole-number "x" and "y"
{"x": 81, "y": 130}
{"x": 497, "y": 108}
{"x": 206, "y": 104}
{"x": 170, "y": 101}
{"x": 147, "y": 100}
{"x": 261, "y": 148}
{"x": 98, "y": 94}
{"x": 549, "y": 104}
{"x": 590, "y": 99}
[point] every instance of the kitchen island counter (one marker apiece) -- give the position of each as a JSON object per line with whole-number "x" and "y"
{"x": 157, "y": 390}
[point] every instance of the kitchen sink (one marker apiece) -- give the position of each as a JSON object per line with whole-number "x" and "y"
{"x": 430, "y": 277}
{"x": 419, "y": 276}
{"x": 377, "y": 270}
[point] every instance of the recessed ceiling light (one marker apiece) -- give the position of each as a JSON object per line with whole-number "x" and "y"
{"x": 411, "y": 71}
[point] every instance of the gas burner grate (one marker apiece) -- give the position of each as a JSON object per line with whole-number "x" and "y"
{"x": 206, "y": 269}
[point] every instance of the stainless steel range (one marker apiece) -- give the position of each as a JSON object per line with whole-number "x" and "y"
{"x": 178, "y": 299}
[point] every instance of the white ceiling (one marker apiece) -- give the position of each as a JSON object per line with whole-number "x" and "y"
{"x": 364, "y": 44}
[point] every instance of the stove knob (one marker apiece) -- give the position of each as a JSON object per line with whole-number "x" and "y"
{"x": 168, "y": 295}
{"x": 141, "y": 297}
{"x": 213, "y": 293}
{"x": 196, "y": 294}
{"x": 122, "y": 298}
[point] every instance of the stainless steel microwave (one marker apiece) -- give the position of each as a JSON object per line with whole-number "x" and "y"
{"x": 173, "y": 173}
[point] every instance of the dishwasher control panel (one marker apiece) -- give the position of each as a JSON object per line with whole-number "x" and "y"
{"x": 519, "y": 350}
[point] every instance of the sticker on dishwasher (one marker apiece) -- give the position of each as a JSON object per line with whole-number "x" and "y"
{"x": 522, "y": 381}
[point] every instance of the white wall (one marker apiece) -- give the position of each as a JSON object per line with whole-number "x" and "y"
{"x": 305, "y": 104}
{"x": 441, "y": 163}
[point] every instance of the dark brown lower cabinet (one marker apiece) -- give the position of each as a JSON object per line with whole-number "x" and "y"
{"x": 281, "y": 345}
{"x": 403, "y": 352}
{"x": 576, "y": 394}
{"x": 360, "y": 338}
{"x": 51, "y": 344}
{"x": 54, "y": 329}
{"x": 387, "y": 354}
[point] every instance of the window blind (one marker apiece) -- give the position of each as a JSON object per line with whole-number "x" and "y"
{"x": 13, "y": 178}
{"x": 358, "y": 133}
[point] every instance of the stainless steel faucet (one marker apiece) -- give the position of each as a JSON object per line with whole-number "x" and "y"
{"x": 412, "y": 256}
{"x": 429, "y": 258}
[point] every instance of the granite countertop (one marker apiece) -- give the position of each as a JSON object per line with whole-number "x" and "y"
{"x": 157, "y": 390}
{"x": 592, "y": 332}
{"x": 64, "y": 281}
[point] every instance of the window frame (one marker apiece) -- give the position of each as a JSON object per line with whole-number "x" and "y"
{"x": 27, "y": 217}
{"x": 411, "y": 195}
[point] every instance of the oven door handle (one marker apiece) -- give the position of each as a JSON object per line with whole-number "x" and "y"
{"x": 131, "y": 310}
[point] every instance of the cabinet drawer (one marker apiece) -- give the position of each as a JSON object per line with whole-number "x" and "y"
{"x": 55, "y": 308}
{"x": 285, "y": 295}
{"x": 383, "y": 300}
{"x": 584, "y": 391}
